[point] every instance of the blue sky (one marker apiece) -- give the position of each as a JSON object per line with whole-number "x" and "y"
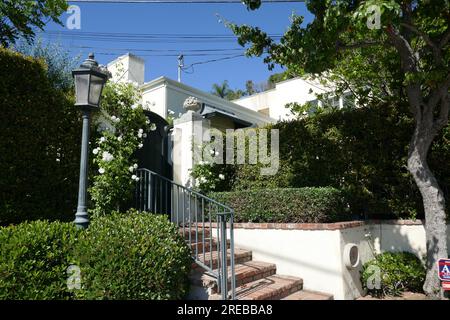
{"x": 177, "y": 19}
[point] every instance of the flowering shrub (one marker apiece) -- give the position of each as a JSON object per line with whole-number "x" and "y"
{"x": 208, "y": 176}
{"x": 123, "y": 128}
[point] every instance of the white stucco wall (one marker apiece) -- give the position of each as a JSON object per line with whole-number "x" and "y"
{"x": 127, "y": 68}
{"x": 316, "y": 256}
{"x": 295, "y": 90}
{"x": 156, "y": 98}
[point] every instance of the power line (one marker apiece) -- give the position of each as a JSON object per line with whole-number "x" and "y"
{"x": 147, "y": 35}
{"x": 143, "y": 37}
{"x": 191, "y": 66}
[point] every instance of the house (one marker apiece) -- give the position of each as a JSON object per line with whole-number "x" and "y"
{"x": 165, "y": 97}
{"x": 298, "y": 90}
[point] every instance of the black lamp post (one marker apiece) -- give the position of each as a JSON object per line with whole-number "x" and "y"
{"x": 89, "y": 82}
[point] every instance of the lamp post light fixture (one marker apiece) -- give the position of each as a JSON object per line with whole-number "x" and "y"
{"x": 89, "y": 82}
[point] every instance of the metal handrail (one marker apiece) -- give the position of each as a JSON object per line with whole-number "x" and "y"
{"x": 190, "y": 209}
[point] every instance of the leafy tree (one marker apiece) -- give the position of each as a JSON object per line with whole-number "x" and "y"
{"x": 19, "y": 17}
{"x": 59, "y": 62}
{"x": 221, "y": 90}
{"x": 250, "y": 87}
{"x": 278, "y": 77}
{"x": 224, "y": 91}
{"x": 416, "y": 36}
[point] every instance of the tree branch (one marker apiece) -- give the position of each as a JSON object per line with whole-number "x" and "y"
{"x": 344, "y": 47}
{"x": 435, "y": 47}
{"x": 445, "y": 39}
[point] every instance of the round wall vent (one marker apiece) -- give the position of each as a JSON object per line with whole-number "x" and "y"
{"x": 351, "y": 255}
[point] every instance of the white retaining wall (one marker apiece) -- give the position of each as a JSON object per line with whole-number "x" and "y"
{"x": 314, "y": 252}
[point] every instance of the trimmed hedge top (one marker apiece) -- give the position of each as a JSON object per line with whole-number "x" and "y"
{"x": 289, "y": 205}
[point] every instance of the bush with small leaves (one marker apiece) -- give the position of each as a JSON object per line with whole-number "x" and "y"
{"x": 301, "y": 205}
{"x": 34, "y": 260}
{"x": 397, "y": 271}
{"x": 133, "y": 256}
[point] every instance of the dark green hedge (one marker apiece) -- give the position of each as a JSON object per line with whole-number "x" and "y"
{"x": 120, "y": 256}
{"x": 302, "y": 205}
{"x": 362, "y": 152}
{"x": 40, "y": 133}
{"x": 34, "y": 257}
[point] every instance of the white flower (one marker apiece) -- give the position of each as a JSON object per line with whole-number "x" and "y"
{"x": 113, "y": 118}
{"x": 147, "y": 121}
{"x": 202, "y": 179}
{"x": 101, "y": 171}
{"x": 131, "y": 169}
{"x": 141, "y": 131}
{"x": 153, "y": 127}
{"x": 137, "y": 179}
{"x": 133, "y": 177}
{"x": 216, "y": 153}
{"x": 221, "y": 177}
{"x": 134, "y": 106}
{"x": 144, "y": 135}
{"x": 117, "y": 119}
{"x": 135, "y": 166}
{"x": 140, "y": 145}
{"x": 119, "y": 138}
{"x": 58, "y": 160}
{"x": 139, "y": 135}
{"x": 102, "y": 139}
{"x": 106, "y": 156}
{"x": 212, "y": 152}
{"x": 95, "y": 151}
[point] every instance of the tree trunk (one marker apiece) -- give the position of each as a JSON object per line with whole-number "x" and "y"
{"x": 434, "y": 205}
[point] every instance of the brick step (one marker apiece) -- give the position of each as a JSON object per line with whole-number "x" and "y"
{"x": 309, "y": 295}
{"x": 199, "y": 245}
{"x": 240, "y": 256}
{"x": 274, "y": 287}
{"x": 192, "y": 231}
{"x": 245, "y": 272}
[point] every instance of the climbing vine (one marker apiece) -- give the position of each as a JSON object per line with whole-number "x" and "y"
{"x": 122, "y": 128}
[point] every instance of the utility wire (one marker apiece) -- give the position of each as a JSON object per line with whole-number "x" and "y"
{"x": 191, "y": 66}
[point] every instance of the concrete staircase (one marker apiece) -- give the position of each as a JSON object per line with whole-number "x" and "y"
{"x": 255, "y": 280}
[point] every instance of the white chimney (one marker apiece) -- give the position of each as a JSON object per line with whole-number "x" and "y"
{"x": 127, "y": 68}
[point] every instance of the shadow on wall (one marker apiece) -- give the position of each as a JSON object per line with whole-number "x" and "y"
{"x": 379, "y": 237}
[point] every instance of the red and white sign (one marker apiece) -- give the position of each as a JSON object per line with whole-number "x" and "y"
{"x": 446, "y": 285}
{"x": 444, "y": 269}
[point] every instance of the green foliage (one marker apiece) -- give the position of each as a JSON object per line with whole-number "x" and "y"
{"x": 39, "y": 143}
{"x": 120, "y": 256}
{"x": 302, "y": 205}
{"x": 124, "y": 126}
{"x": 59, "y": 62}
{"x": 133, "y": 256}
{"x": 224, "y": 91}
{"x": 210, "y": 177}
{"x": 399, "y": 272}
{"x": 361, "y": 152}
{"x": 19, "y": 18}
{"x": 34, "y": 257}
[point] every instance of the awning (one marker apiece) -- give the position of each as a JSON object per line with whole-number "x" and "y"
{"x": 209, "y": 112}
